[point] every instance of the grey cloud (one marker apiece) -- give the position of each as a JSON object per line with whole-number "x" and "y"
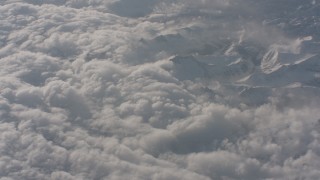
{"x": 158, "y": 90}
{"x": 222, "y": 164}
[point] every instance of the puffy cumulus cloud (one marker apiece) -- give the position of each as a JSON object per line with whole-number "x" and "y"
{"x": 221, "y": 164}
{"x": 159, "y": 90}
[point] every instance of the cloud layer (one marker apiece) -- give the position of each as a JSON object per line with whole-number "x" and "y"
{"x": 162, "y": 90}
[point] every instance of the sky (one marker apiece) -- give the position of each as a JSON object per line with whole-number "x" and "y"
{"x": 159, "y": 89}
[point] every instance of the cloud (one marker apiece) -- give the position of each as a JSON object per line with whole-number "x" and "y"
{"x": 222, "y": 164}
{"x": 158, "y": 90}
{"x": 132, "y": 8}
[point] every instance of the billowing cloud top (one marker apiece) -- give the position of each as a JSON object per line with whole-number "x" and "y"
{"x": 163, "y": 90}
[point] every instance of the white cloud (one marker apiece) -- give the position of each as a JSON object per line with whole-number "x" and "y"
{"x": 222, "y": 164}
{"x": 139, "y": 89}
